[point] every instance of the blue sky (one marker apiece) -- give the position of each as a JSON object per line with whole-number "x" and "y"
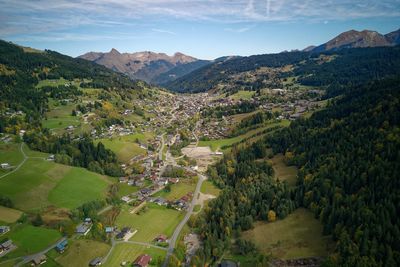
{"x": 201, "y": 28}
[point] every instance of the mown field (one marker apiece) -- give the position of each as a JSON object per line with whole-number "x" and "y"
{"x": 40, "y": 183}
{"x": 127, "y": 252}
{"x": 209, "y": 188}
{"x": 30, "y": 239}
{"x": 8, "y": 215}
{"x": 299, "y": 235}
{"x": 156, "y": 220}
{"x": 81, "y": 252}
{"x": 282, "y": 171}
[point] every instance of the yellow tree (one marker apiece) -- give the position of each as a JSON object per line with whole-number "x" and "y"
{"x": 271, "y": 216}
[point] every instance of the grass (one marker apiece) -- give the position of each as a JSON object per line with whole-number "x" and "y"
{"x": 40, "y": 183}
{"x": 10, "y": 153}
{"x": 245, "y": 95}
{"x": 30, "y": 239}
{"x": 125, "y": 150}
{"x": 8, "y": 215}
{"x": 81, "y": 252}
{"x": 126, "y": 252}
{"x": 78, "y": 186}
{"x": 178, "y": 190}
{"x": 299, "y": 235}
{"x": 196, "y": 208}
{"x": 125, "y": 189}
{"x": 209, "y": 188}
{"x": 156, "y": 220}
{"x": 218, "y": 144}
{"x": 282, "y": 171}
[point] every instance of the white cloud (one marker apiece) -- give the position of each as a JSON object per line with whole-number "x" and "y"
{"x": 163, "y": 31}
{"x": 28, "y": 16}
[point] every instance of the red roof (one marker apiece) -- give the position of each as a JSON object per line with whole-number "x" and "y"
{"x": 142, "y": 260}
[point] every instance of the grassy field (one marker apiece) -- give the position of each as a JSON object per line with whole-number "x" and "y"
{"x": 282, "y": 171}
{"x": 8, "y": 215}
{"x": 125, "y": 150}
{"x": 156, "y": 220}
{"x": 77, "y": 186}
{"x": 209, "y": 188}
{"x": 124, "y": 189}
{"x": 129, "y": 252}
{"x": 10, "y": 153}
{"x": 40, "y": 183}
{"x": 178, "y": 190}
{"x": 218, "y": 144}
{"x": 81, "y": 252}
{"x": 299, "y": 235}
{"x": 245, "y": 95}
{"x": 60, "y": 117}
{"x": 30, "y": 239}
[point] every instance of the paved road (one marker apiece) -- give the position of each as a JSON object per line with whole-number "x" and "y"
{"x": 29, "y": 258}
{"x": 160, "y": 152}
{"x": 19, "y": 165}
{"x": 179, "y": 228}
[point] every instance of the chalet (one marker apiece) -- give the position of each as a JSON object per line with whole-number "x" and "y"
{"x": 161, "y": 239}
{"x": 38, "y": 260}
{"x": 83, "y": 228}
{"x": 109, "y": 229}
{"x": 173, "y": 180}
{"x": 4, "y": 229}
{"x": 142, "y": 261}
{"x": 145, "y": 191}
{"x": 60, "y": 247}
{"x": 160, "y": 201}
{"x": 124, "y": 231}
{"x": 95, "y": 261}
{"x": 123, "y": 179}
{"x": 6, "y": 246}
{"x": 51, "y": 157}
{"x": 126, "y": 199}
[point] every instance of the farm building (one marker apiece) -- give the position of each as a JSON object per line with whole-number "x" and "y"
{"x": 95, "y": 262}
{"x": 84, "y": 228}
{"x": 161, "y": 238}
{"x": 4, "y": 229}
{"x": 142, "y": 261}
{"x": 62, "y": 246}
{"x": 38, "y": 260}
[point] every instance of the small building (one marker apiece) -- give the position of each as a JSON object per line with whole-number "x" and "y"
{"x": 83, "y": 228}
{"x": 227, "y": 263}
{"x": 62, "y": 246}
{"x": 161, "y": 238}
{"x": 142, "y": 261}
{"x": 126, "y": 199}
{"x": 5, "y": 165}
{"x": 95, "y": 261}
{"x": 51, "y": 158}
{"x": 4, "y": 229}
{"x": 38, "y": 260}
{"x": 173, "y": 180}
{"x": 109, "y": 229}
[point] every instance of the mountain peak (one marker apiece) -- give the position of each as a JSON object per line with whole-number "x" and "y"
{"x": 114, "y": 51}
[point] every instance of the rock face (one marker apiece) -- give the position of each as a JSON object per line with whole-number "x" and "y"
{"x": 354, "y": 39}
{"x": 140, "y": 65}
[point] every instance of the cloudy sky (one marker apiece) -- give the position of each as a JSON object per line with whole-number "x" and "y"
{"x": 202, "y": 28}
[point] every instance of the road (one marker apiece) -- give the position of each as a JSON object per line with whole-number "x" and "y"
{"x": 160, "y": 152}
{"x": 178, "y": 229}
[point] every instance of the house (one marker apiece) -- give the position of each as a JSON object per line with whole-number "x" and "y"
{"x": 161, "y": 238}
{"x": 60, "y": 247}
{"x": 142, "y": 261}
{"x": 95, "y": 261}
{"x": 5, "y": 165}
{"x": 125, "y": 199}
{"x": 228, "y": 264}
{"x": 160, "y": 201}
{"x": 51, "y": 158}
{"x": 83, "y": 228}
{"x": 173, "y": 180}
{"x": 123, "y": 179}
{"x": 109, "y": 229}
{"x": 38, "y": 260}
{"x": 4, "y": 229}
{"x": 123, "y": 233}
{"x": 7, "y": 246}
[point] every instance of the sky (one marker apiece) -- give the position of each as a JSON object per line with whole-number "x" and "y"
{"x": 204, "y": 29}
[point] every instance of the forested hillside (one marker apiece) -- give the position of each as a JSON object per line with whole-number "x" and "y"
{"x": 348, "y": 158}
{"x": 334, "y": 69}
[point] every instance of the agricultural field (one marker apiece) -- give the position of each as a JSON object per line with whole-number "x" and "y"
{"x": 8, "y": 215}
{"x": 128, "y": 252}
{"x": 30, "y": 239}
{"x": 10, "y": 153}
{"x": 125, "y": 189}
{"x": 125, "y": 150}
{"x": 42, "y": 183}
{"x": 282, "y": 171}
{"x": 242, "y": 95}
{"x": 150, "y": 223}
{"x": 178, "y": 190}
{"x": 81, "y": 252}
{"x": 59, "y": 117}
{"x": 299, "y": 235}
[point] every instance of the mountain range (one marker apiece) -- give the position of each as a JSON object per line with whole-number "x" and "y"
{"x": 357, "y": 39}
{"x": 147, "y": 66}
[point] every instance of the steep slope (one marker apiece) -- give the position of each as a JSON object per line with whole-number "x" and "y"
{"x": 393, "y": 37}
{"x": 145, "y": 65}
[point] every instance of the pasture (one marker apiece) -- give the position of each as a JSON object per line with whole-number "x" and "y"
{"x": 282, "y": 171}
{"x": 179, "y": 190}
{"x": 81, "y": 252}
{"x": 209, "y": 188}
{"x": 242, "y": 95}
{"x": 125, "y": 150}
{"x": 299, "y": 235}
{"x": 128, "y": 252}
{"x": 40, "y": 183}
{"x": 156, "y": 220}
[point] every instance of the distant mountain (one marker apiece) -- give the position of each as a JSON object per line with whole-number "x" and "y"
{"x": 147, "y": 66}
{"x": 357, "y": 39}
